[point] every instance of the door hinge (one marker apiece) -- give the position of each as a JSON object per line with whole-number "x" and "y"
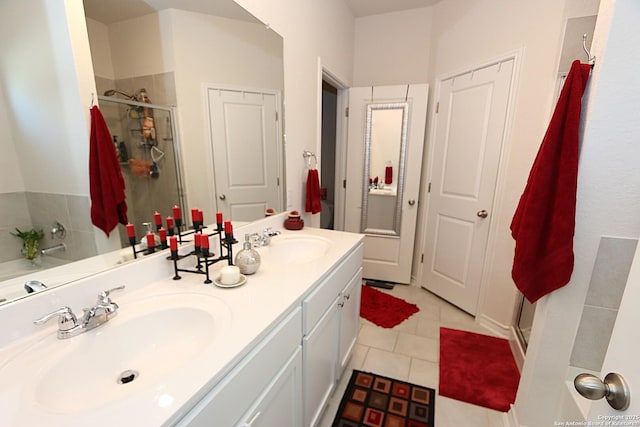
{"x": 346, "y": 112}
{"x": 278, "y": 181}
{"x": 276, "y": 116}
{"x": 344, "y": 183}
{"x": 437, "y": 107}
{"x": 421, "y": 258}
{"x": 429, "y": 188}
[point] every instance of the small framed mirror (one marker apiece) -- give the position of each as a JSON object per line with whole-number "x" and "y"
{"x": 384, "y": 167}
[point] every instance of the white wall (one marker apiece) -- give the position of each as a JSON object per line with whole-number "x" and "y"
{"x": 42, "y": 89}
{"x": 142, "y": 46}
{"x": 313, "y": 32}
{"x": 10, "y": 170}
{"x": 392, "y": 48}
{"x": 608, "y": 203}
{"x": 100, "y": 49}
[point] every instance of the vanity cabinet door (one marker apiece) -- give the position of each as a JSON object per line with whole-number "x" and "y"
{"x": 349, "y": 320}
{"x": 281, "y": 403}
{"x": 320, "y": 360}
{"x": 250, "y": 380}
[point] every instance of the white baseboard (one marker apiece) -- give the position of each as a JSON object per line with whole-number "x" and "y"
{"x": 494, "y": 326}
{"x": 508, "y": 333}
{"x": 510, "y": 419}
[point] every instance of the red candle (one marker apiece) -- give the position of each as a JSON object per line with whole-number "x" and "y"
{"x": 177, "y": 214}
{"x": 228, "y": 228}
{"x": 131, "y": 231}
{"x": 163, "y": 235}
{"x": 218, "y": 217}
{"x": 173, "y": 243}
{"x": 204, "y": 241}
{"x": 200, "y": 216}
{"x": 170, "y": 223}
{"x": 196, "y": 240}
{"x": 151, "y": 240}
{"x": 157, "y": 218}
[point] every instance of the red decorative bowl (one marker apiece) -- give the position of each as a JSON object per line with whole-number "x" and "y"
{"x": 294, "y": 222}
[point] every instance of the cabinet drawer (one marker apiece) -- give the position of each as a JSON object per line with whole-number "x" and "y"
{"x": 232, "y": 397}
{"x": 317, "y": 302}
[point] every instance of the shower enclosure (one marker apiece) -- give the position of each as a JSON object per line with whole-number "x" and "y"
{"x": 145, "y": 139}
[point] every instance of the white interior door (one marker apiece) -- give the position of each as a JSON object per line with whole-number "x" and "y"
{"x": 622, "y": 355}
{"x": 468, "y": 135}
{"x": 246, "y": 148}
{"x": 386, "y": 257}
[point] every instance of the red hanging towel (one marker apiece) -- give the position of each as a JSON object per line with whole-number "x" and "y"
{"x": 544, "y": 222}
{"x": 313, "y": 203}
{"x": 106, "y": 184}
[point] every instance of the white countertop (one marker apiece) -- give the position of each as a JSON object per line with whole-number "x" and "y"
{"x": 254, "y": 307}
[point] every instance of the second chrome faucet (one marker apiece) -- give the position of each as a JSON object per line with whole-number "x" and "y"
{"x": 68, "y": 324}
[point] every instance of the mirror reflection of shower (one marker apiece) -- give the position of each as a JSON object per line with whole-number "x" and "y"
{"x": 144, "y": 139}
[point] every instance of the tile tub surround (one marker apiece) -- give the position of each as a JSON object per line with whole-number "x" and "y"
{"x": 256, "y": 306}
{"x": 608, "y": 280}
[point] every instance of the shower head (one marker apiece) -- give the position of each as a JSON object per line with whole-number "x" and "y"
{"x": 112, "y": 92}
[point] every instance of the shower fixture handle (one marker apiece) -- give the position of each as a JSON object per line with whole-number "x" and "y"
{"x": 614, "y": 388}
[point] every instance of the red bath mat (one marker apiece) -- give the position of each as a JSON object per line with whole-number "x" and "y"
{"x": 477, "y": 369}
{"x": 383, "y": 309}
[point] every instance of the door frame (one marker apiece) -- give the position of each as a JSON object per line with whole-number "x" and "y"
{"x": 498, "y": 195}
{"x": 341, "y": 140}
{"x": 279, "y": 132}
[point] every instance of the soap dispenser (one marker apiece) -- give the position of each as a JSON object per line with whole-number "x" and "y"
{"x": 248, "y": 259}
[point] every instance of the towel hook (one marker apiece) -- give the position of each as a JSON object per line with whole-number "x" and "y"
{"x": 590, "y": 59}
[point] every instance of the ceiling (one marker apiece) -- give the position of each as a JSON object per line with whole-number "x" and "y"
{"x": 112, "y": 11}
{"x": 376, "y": 7}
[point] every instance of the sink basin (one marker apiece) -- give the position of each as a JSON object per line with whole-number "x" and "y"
{"x": 148, "y": 341}
{"x": 295, "y": 249}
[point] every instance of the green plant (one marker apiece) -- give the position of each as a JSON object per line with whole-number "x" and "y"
{"x": 30, "y": 241}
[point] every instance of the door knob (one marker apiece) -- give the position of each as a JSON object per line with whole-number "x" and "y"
{"x": 482, "y": 213}
{"x": 222, "y": 197}
{"x": 614, "y": 388}
{"x": 412, "y": 202}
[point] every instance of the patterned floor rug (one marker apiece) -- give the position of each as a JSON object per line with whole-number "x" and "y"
{"x": 375, "y": 401}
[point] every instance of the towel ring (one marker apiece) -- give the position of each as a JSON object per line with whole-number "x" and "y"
{"x": 308, "y": 155}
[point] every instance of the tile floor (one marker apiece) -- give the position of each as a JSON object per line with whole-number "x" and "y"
{"x": 410, "y": 352}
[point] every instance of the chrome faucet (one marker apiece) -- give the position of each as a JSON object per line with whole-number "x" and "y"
{"x": 265, "y": 238}
{"x": 68, "y": 324}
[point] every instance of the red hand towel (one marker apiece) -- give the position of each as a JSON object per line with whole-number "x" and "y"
{"x": 544, "y": 222}
{"x": 313, "y": 203}
{"x": 106, "y": 184}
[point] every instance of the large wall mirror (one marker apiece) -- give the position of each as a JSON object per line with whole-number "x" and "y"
{"x": 384, "y": 168}
{"x": 213, "y": 42}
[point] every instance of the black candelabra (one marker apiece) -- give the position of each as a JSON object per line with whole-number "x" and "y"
{"x": 204, "y": 257}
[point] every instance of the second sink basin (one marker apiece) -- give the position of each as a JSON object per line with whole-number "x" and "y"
{"x": 295, "y": 249}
